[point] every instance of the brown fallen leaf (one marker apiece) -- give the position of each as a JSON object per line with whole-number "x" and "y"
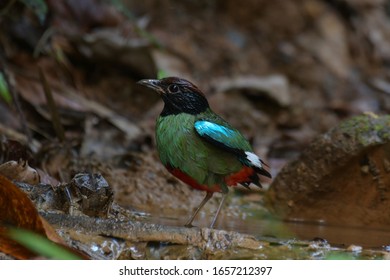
{"x": 17, "y": 210}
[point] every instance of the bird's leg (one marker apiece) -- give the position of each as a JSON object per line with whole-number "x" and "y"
{"x": 204, "y": 201}
{"x": 224, "y": 195}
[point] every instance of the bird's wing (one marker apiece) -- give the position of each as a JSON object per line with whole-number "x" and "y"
{"x": 230, "y": 140}
{"x": 221, "y": 136}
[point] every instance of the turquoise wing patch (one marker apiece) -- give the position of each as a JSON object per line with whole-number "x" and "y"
{"x": 220, "y": 135}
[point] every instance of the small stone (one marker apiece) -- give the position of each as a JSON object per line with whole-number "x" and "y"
{"x": 365, "y": 169}
{"x": 354, "y": 248}
{"x": 91, "y": 194}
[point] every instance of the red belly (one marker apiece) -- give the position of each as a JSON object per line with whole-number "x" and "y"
{"x": 242, "y": 176}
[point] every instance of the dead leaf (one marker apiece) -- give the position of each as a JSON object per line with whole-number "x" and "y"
{"x": 16, "y": 210}
{"x": 8, "y": 145}
{"x": 19, "y": 171}
{"x": 14, "y": 148}
{"x": 275, "y": 86}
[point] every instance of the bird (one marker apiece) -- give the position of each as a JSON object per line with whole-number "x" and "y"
{"x": 198, "y": 146}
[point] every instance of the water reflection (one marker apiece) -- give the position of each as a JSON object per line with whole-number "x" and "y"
{"x": 340, "y": 236}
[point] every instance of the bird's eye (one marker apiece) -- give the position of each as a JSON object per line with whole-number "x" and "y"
{"x": 173, "y": 88}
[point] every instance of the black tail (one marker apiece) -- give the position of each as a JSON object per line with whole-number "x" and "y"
{"x": 262, "y": 171}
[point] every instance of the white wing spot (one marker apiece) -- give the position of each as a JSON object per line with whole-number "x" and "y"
{"x": 254, "y": 159}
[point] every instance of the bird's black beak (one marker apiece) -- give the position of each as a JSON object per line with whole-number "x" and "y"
{"x": 153, "y": 84}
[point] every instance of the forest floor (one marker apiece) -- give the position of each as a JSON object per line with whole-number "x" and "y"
{"x": 285, "y": 73}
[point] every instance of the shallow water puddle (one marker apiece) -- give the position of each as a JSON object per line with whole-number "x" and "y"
{"x": 339, "y": 236}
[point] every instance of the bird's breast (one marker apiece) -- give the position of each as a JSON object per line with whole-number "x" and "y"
{"x": 173, "y": 134}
